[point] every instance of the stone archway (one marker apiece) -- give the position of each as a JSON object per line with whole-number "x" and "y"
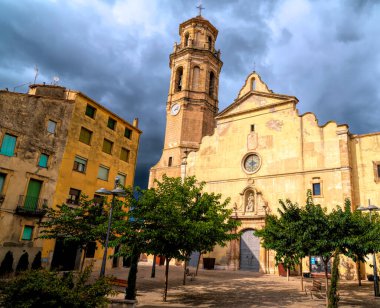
{"x": 249, "y": 251}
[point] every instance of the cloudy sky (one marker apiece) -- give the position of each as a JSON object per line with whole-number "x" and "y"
{"x": 326, "y": 53}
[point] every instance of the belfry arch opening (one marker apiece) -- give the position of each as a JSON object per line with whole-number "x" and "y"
{"x": 178, "y": 79}
{"x": 211, "y": 87}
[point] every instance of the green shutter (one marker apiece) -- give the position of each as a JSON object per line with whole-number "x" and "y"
{"x": 27, "y": 233}
{"x": 85, "y": 135}
{"x": 107, "y": 146}
{"x": 32, "y": 195}
{"x": 43, "y": 160}
{"x": 2, "y": 180}
{"x": 8, "y": 145}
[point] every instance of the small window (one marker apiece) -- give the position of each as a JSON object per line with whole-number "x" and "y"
{"x": 2, "y": 181}
{"x": 90, "y": 251}
{"x": 128, "y": 133}
{"x": 124, "y": 154}
{"x": 80, "y": 164}
{"x": 253, "y": 82}
{"x": 122, "y": 177}
{"x": 209, "y": 39}
{"x": 186, "y": 39}
{"x": 74, "y": 196}
{"x": 43, "y": 161}
{"x": 103, "y": 173}
{"x": 8, "y": 145}
{"x": 85, "y": 135}
{"x": 111, "y": 123}
{"x": 52, "y": 125}
{"x": 90, "y": 111}
{"x": 27, "y": 233}
{"x": 316, "y": 189}
{"x": 107, "y": 146}
{"x": 252, "y": 127}
{"x": 170, "y": 162}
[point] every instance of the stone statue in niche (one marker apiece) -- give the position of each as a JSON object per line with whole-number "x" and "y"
{"x": 250, "y": 202}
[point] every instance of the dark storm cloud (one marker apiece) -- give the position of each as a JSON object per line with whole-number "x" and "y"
{"x": 115, "y": 51}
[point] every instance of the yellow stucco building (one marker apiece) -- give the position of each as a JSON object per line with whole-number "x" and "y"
{"x": 84, "y": 147}
{"x": 258, "y": 150}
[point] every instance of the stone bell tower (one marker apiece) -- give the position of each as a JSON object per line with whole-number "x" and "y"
{"x": 193, "y": 95}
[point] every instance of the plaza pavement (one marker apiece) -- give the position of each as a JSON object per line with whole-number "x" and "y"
{"x": 221, "y": 288}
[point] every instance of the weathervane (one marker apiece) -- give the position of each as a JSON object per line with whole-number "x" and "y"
{"x": 200, "y": 8}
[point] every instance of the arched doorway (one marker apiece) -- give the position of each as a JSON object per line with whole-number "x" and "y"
{"x": 249, "y": 251}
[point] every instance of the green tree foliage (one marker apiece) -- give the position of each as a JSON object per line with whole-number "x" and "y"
{"x": 50, "y": 289}
{"x": 299, "y": 232}
{"x": 6, "y": 267}
{"x": 174, "y": 219}
{"x": 80, "y": 224}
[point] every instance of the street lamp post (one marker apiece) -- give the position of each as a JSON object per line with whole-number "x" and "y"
{"x": 115, "y": 192}
{"x": 371, "y": 208}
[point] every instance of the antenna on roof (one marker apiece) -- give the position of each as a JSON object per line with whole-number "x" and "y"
{"x": 55, "y": 80}
{"x": 35, "y": 74}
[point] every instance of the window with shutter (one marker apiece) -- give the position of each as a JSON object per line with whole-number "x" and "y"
{"x": 111, "y": 123}
{"x": 107, "y": 146}
{"x": 124, "y": 154}
{"x": 80, "y": 164}
{"x": 52, "y": 125}
{"x": 85, "y": 135}
{"x": 27, "y": 233}
{"x": 122, "y": 177}
{"x": 74, "y": 196}
{"x": 103, "y": 173}
{"x": 90, "y": 111}
{"x": 8, "y": 145}
{"x": 43, "y": 161}
{"x": 128, "y": 133}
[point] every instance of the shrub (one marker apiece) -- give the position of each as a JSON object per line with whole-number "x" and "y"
{"x": 41, "y": 288}
{"x": 6, "y": 266}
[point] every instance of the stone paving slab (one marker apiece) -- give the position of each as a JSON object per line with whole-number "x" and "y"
{"x": 220, "y": 288}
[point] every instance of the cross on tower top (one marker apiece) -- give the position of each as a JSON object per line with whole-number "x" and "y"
{"x": 200, "y": 8}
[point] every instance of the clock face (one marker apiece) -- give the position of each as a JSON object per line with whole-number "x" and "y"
{"x": 251, "y": 163}
{"x": 175, "y": 109}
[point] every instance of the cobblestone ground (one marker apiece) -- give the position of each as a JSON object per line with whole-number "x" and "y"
{"x": 220, "y": 288}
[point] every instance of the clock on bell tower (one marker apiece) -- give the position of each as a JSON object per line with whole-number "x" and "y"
{"x": 193, "y": 95}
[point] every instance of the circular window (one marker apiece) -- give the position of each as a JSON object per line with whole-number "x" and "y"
{"x": 251, "y": 163}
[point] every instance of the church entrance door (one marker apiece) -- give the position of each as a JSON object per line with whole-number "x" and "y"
{"x": 249, "y": 251}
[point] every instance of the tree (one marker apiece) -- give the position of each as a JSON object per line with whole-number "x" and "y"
{"x": 282, "y": 235}
{"x": 80, "y": 224}
{"x": 174, "y": 219}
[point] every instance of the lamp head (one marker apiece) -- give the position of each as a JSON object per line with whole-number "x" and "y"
{"x": 104, "y": 192}
{"x": 362, "y": 208}
{"x": 372, "y": 207}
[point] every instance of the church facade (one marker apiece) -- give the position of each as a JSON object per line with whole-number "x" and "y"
{"x": 258, "y": 150}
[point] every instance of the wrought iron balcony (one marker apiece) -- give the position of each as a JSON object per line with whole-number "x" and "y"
{"x": 31, "y": 206}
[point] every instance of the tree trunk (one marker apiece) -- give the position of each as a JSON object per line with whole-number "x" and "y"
{"x": 333, "y": 298}
{"x": 130, "y": 291}
{"x": 153, "y": 274}
{"x": 166, "y": 278}
{"x": 359, "y": 274}
{"x": 83, "y": 258}
{"x": 184, "y": 272}
{"x": 287, "y": 273}
{"x": 301, "y": 275}
{"x": 199, "y": 260}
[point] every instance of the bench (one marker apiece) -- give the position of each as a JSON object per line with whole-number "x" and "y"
{"x": 119, "y": 282}
{"x": 316, "y": 287}
{"x": 191, "y": 274}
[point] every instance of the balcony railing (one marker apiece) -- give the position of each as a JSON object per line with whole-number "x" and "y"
{"x": 31, "y": 206}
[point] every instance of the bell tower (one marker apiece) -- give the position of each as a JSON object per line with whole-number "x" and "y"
{"x": 193, "y": 95}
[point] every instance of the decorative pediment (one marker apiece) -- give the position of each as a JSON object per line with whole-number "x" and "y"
{"x": 255, "y": 95}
